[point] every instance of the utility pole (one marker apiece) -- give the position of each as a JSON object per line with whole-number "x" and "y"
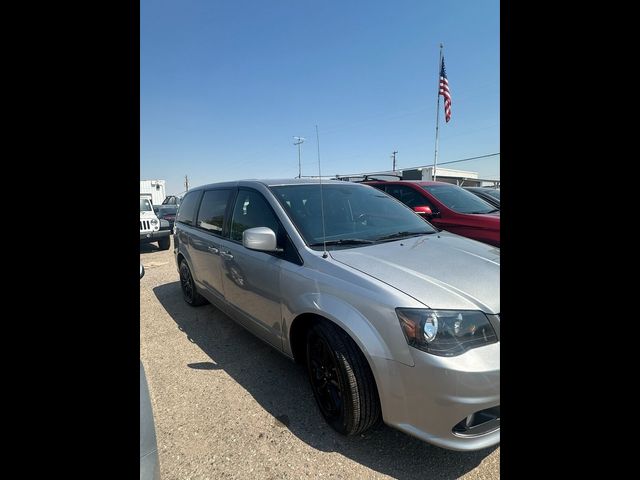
{"x": 393, "y": 155}
{"x": 186, "y": 183}
{"x": 299, "y": 141}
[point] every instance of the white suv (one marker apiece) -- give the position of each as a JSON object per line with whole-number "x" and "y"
{"x": 150, "y": 226}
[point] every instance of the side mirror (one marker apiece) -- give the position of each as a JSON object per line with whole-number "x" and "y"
{"x": 141, "y": 271}
{"x": 423, "y": 210}
{"x": 262, "y": 239}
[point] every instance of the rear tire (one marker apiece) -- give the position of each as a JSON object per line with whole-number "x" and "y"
{"x": 341, "y": 380}
{"x": 164, "y": 243}
{"x": 189, "y": 291}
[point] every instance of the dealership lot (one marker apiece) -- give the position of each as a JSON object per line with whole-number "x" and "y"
{"x": 228, "y": 406}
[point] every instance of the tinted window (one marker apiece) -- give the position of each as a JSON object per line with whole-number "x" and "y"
{"x": 251, "y": 210}
{"x": 458, "y": 199}
{"x": 408, "y": 196}
{"x": 351, "y": 212}
{"x": 493, "y": 193}
{"x": 168, "y": 210}
{"x": 188, "y": 207}
{"x": 145, "y": 205}
{"x": 212, "y": 208}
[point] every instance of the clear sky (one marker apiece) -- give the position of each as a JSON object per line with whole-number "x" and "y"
{"x": 226, "y": 84}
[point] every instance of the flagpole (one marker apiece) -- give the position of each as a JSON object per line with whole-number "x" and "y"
{"x": 435, "y": 157}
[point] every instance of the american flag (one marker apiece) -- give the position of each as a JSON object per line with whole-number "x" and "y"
{"x": 444, "y": 91}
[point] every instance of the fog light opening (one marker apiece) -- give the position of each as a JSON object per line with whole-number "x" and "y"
{"x": 469, "y": 420}
{"x": 478, "y": 423}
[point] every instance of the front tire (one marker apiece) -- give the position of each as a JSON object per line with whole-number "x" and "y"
{"x": 189, "y": 292}
{"x": 164, "y": 243}
{"x": 341, "y": 380}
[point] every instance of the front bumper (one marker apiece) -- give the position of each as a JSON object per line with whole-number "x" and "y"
{"x": 146, "y": 237}
{"x": 437, "y": 395}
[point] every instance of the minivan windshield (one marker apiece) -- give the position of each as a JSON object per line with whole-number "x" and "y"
{"x": 458, "y": 199}
{"x": 145, "y": 205}
{"x": 354, "y": 215}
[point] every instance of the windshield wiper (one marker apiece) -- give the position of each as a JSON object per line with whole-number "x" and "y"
{"x": 343, "y": 241}
{"x": 403, "y": 235}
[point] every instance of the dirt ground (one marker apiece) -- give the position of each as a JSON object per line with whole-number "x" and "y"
{"x": 228, "y": 406}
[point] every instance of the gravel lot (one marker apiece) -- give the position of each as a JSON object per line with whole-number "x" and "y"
{"x": 228, "y": 406}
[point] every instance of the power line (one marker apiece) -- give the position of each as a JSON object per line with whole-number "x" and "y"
{"x": 471, "y": 158}
{"x": 424, "y": 166}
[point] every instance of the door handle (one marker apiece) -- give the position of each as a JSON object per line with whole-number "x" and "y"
{"x": 226, "y": 255}
{"x": 213, "y": 250}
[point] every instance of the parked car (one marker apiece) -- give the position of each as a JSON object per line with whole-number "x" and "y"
{"x": 149, "y": 461}
{"x": 489, "y": 195}
{"x": 153, "y": 229}
{"x": 448, "y": 207}
{"x": 393, "y": 319}
{"x": 168, "y": 213}
{"x": 171, "y": 200}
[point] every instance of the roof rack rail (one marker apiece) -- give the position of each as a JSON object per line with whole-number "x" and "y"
{"x": 375, "y": 177}
{"x": 367, "y": 177}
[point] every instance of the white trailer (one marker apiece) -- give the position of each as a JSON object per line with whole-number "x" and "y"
{"x": 154, "y": 187}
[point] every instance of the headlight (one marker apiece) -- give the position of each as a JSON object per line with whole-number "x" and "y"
{"x": 445, "y": 333}
{"x": 154, "y": 221}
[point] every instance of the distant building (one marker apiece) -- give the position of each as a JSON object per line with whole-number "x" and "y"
{"x": 457, "y": 177}
{"x": 448, "y": 175}
{"x": 154, "y": 187}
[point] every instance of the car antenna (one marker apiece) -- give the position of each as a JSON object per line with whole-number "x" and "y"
{"x": 324, "y": 236}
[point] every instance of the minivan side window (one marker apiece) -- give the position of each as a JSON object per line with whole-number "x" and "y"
{"x": 212, "y": 208}
{"x": 188, "y": 207}
{"x": 251, "y": 210}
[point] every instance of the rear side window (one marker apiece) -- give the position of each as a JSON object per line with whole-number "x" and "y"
{"x": 211, "y": 213}
{"x": 188, "y": 207}
{"x": 252, "y": 210}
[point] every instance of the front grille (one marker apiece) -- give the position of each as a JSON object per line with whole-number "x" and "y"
{"x": 145, "y": 225}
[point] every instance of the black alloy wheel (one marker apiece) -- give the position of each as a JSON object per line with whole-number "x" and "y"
{"x": 323, "y": 372}
{"x": 189, "y": 292}
{"x": 341, "y": 380}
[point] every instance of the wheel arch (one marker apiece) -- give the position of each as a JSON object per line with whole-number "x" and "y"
{"x": 297, "y": 338}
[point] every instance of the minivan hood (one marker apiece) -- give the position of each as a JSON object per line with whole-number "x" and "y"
{"x": 441, "y": 270}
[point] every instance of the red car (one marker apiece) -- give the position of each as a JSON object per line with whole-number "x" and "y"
{"x": 448, "y": 207}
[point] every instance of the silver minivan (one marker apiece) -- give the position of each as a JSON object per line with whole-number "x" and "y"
{"x": 395, "y": 320}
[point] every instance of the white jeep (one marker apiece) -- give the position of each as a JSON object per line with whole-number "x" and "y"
{"x": 150, "y": 226}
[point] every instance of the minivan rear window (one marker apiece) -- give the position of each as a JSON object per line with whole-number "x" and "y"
{"x": 188, "y": 207}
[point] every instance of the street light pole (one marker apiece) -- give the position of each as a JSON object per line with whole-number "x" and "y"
{"x": 299, "y": 141}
